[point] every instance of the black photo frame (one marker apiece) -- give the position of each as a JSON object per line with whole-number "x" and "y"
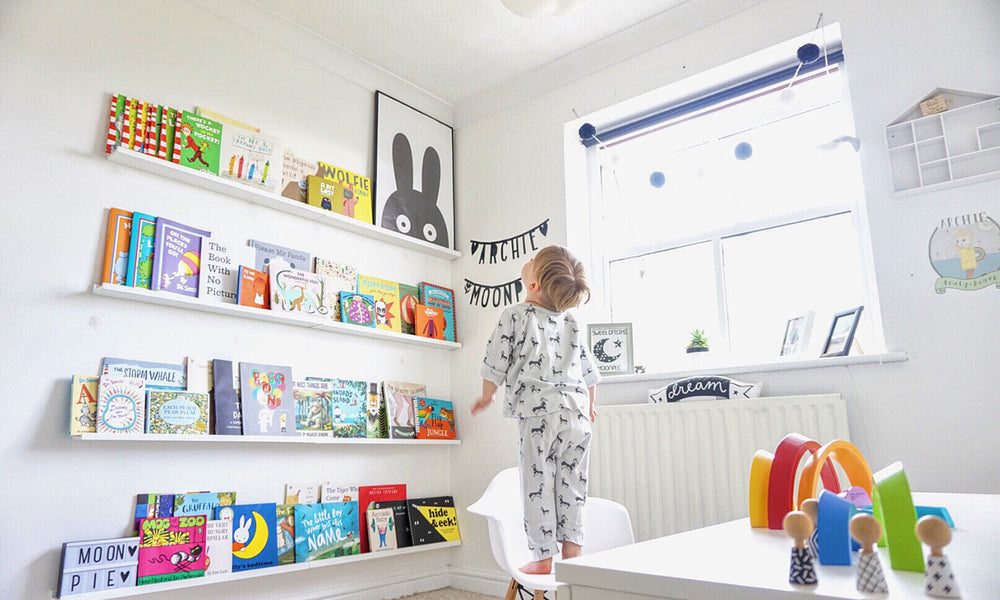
{"x": 841, "y": 336}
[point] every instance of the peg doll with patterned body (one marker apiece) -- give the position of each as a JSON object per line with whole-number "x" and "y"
{"x": 939, "y": 581}
{"x": 801, "y": 570}
{"x": 867, "y": 530}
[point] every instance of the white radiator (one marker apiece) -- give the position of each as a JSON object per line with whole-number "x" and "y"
{"x": 683, "y": 465}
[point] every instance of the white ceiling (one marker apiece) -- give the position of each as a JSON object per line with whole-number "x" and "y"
{"x": 460, "y": 49}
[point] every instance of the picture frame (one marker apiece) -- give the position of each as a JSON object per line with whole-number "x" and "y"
{"x": 619, "y": 359}
{"x": 841, "y": 335}
{"x": 797, "y": 332}
{"x": 414, "y": 173}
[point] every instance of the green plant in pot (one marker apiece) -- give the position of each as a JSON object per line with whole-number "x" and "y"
{"x": 698, "y": 343}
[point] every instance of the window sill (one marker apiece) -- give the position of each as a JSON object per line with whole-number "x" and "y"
{"x": 704, "y": 367}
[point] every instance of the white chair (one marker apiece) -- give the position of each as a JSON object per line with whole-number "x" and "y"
{"x": 608, "y": 526}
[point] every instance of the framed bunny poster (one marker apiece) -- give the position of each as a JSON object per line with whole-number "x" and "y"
{"x": 414, "y": 173}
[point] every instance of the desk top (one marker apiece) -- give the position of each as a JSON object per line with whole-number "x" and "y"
{"x": 732, "y": 560}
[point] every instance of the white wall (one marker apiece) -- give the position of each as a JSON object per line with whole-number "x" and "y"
{"x": 936, "y": 412}
{"x": 61, "y": 62}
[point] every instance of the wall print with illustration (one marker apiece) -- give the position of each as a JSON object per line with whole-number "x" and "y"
{"x": 797, "y": 332}
{"x": 511, "y": 248}
{"x": 408, "y": 141}
{"x": 965, "y": 252}
{"x": 841, "y": 336}
{"x": 497, "y": 295}
{"x": 611, "y": 345}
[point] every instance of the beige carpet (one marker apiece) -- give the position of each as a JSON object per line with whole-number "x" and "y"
{"x": 449, "y": 594}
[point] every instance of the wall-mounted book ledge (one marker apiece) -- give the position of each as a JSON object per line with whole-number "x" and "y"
{"x": 200, "y": 581}
{"x": 214, "y": 183}
{"x": 249, "y": 312}
{"x": 264, "y": 439}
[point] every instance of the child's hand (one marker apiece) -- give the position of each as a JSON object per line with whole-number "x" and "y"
{"x": 481, "y": 404}
{"x": 593, "y": 414}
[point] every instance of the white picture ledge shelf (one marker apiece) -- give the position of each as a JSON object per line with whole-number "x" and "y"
{"x": 244, "y": 192}
{"x": 260, "y": 314}
{"x": 200, "y": 581}
{"x": 264, "y": 439}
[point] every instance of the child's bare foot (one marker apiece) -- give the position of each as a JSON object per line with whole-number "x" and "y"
{"x": 571, "y": 550}
{"x": 538, "y": 567}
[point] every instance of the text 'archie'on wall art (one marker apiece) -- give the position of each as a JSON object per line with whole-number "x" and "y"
{"x": 510, "y": 248}
{"x": 496, "y": 295}
{"x": 965, "y": 252}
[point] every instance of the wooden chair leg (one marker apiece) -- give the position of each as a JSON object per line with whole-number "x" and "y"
{"x": 511, "y": 590}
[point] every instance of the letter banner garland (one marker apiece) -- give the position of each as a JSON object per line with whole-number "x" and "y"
{"x": 510, "y": 248}
{"x": 484, "y": 295}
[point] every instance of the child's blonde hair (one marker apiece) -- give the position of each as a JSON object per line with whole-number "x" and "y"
{"x": 561, "y": 277}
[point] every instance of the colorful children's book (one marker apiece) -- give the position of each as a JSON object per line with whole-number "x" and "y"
{"x": 171, "y": 548}
{"x": 409, "y": 298}
{"x": 196, "y": 142}
{"x": 312, "y": 408}
{"x": 201, "y": 111}
{"x": 121, "y": 405}
{"x": 83, "y": 403}
{"x": 328, "y": 195}
{"x": 382, "y": 529}
{"x": 294, "y": 171}
{"x": 168, "y": 125}
{"x": 402, "y": 516}
{"x": 254, "y": 542}
{"x": 294, "y": 290}
{"x": 430, "y": 322}
{"x": 140, "y": 251}
{"x": 348, "y": 407}
{"x": 377, "y": 422}
{"x": 267, "y": 398}
{"x": 116, "y": 119}
{"x": 177, "y": 257}
{"x": 357, "y": 309}
{"x": 177, "y": 412}
{"x": 116, "y": 246}
{"x": 202, "y": 503}
{"x": 252, "y": 287}
{"x": 362, "y": 208}
{"x": 336, "y": 277}
{"x": 149, "y": 506}
{"x": 433, "y": 520}
{"x": 399, "y": 402}
{"x": 443, "y": 298}
{"x": 326, "y": 530}
{"x": 385, "y": 295}
{"x": 296, "y": 493}
{"x": 338, "y": 493}
{"x": 263, "y": 252}
{"x": 97, "y": 565}
{"x": 226, "y": 398}
{"x": 249, "y": 157}
{"x": 218, "y": 547}
{"x": 220, "y": 269}
{"x": 367, "y": 494}
{"x": 435, "y": 419}
{"x": 285, "y": 532}
{"x": 157, "y": 376}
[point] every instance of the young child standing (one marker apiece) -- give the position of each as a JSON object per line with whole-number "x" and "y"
{"x": 537, "y": 352}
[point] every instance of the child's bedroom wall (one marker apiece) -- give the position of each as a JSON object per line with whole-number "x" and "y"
{"x": 61, "y": 62}
{"x": 935, "y": 412}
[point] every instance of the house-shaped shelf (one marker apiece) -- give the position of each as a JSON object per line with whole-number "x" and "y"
{"x": 957, "y": 146}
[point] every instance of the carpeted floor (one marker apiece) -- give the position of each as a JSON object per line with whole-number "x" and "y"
{"x": 449, "y": 594}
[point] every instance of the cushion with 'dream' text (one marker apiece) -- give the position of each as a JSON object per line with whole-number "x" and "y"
{"x": 704, "y": 388}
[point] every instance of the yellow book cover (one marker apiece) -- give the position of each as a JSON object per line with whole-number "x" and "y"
{"x": 326, "y": 194}
{"x": 83, "y": 411}
{"x": 386, "y": 295}
{"x": 361, "y": 206}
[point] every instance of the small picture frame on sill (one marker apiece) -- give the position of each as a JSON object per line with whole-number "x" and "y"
{"x": 611, "y": 346}
{"x": 841, "y": 336}
{"x": 797, "y": 332}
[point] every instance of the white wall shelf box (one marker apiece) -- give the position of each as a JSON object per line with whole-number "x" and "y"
{"x": 202, "y": 581}
{"x": 249, "y": 312}
{"x": 260, "y": 439}
{"x": 244, "y": 192}
{"x": 958, "y": 146}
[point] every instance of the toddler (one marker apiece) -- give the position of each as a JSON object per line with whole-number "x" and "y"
{"x": 537, "y": 352}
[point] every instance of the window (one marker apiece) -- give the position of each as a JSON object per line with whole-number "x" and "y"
{"x": 734, "y": 215}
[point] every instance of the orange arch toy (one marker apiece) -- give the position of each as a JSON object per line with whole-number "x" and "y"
{"x": 847, "y": 456}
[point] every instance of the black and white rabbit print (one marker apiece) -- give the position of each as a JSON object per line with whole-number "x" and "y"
{"x": 409, "y": 211}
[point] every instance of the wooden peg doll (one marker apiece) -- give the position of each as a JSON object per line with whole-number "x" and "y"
{"x": 811, "y": 508}
{"x": 938, "y": 579}
{"x": 799, "y": 526}
{"x": 867, "y": 530}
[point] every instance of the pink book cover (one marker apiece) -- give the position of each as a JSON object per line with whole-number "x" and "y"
{"x": 171, "y": 548}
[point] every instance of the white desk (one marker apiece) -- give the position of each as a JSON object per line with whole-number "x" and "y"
{"x": 734, "y": 562}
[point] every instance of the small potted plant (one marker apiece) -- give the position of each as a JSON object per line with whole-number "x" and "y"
{"x": 698, "y": 343}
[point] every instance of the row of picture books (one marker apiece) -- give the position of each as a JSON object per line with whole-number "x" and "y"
{"x": 222, "y": 397}
{"x": 206, "y": 141}
{"x": 158, "y": 254}
{"x": 206, "y": 534}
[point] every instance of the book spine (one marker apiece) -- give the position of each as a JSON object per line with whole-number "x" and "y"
{"x": 140, "y": 127}
{"x": 127, "y": 125}
{"x": 112, "y": 122}
{"x": 152, "y": 123}
{"x": 176, "y": 158}
{"x": 161, "y": 151}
